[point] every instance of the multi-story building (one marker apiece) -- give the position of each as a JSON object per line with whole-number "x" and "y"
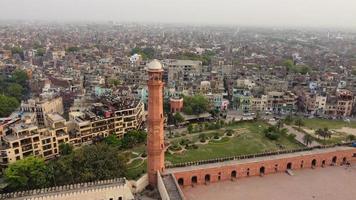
{"x": 42, "y": 107}
{"x": 340, "y": 105}
{"x": 24, "y": 139}
{"x": 281, "y": 102}
{"x": 344, "y": 103}
{"x": 102, "y": 120}
{"x": 182, "y": 73}
{"x": 314, "y": 103}
{"x": 259, "y": 103}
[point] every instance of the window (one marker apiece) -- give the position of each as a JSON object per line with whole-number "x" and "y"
{"x": 16, "y": 151}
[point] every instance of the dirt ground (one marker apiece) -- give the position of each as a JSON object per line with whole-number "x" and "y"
{"x": 347, "y": 130}
{"x": 330, "y": 183}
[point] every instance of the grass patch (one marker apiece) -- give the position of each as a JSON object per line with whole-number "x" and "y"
{"x": 135, "y": 163}
{"x": 325, "y": 123}
{"x": 250, "y": 141}
{"x": 333, "y": 140}
{"x": 137, "y": 171}
{"x": 221, "y": 141}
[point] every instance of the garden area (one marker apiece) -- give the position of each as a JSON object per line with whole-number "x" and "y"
{"x": 231, "y": 140}
{"x": 326, "y": 131}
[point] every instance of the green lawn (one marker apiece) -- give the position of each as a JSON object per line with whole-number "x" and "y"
{"x": 135, "y": 172}
{"x": 325, "y": 123}
{"x": 250, "y": 141}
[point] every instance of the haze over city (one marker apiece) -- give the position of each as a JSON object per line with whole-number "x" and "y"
{"x": 310, "y": 13}
{"x": 177, "y": 99}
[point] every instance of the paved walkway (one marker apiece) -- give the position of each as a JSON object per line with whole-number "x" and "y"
{"x": 300, "y": 135}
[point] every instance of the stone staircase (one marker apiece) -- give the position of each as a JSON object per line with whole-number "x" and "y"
{"x": 290, "y": 172}
{"x": 172, "y": 187}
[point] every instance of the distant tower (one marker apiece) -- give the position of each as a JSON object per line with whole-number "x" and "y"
{"x": 155, "y": 139}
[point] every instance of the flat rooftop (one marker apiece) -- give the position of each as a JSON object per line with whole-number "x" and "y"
{"x": 256, "y": 159}
{"x": 328, "y": 183}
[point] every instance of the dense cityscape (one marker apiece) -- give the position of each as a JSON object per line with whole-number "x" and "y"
{"x": 81, "y": 107}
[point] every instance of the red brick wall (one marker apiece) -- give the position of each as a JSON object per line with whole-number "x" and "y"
{"x": 176, "y": 105}
{"x": 223, "y": 173}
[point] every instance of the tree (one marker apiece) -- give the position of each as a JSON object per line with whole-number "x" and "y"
{"x": 229, "y": 132}
{"x": 350, "y": 138}
{"x": 40, "y": 52}
{"x": 307, "y": 139}
{"x": 17, "y": 50}
{"x": 20, "y": 77}
{"x": 190, "y": 128}
{"x": 299, "y": 122}
{"x": 133, "y": 138}
{"x": 195, "y": 105}
{"x": 319, "y": 132}
{"x": 202, "y": 137}
{"x": 178, "y": 118}
{"x": 323, "y": 133}
{"x": 288, "y": 120}
{"x": 146, "y": 53}
{"x": 7, "y": 105}
{"x": 272, "y": 132}
{"x": 72, "y": 49}
{"x": 65, "y": 149}
{"x": 327, "y": 133}
{"x": 89, "y": 163}
{"x": 279, "y": 124}
{"x": 112, "y": 140}
{"x": 15, "y": 90}
{"x": 28, "y": 173}
{"x": 288, "y": 63}
{"x": 304, "y": 69}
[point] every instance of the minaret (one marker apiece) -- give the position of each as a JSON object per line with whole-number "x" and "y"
{"x": 155, "y": 138}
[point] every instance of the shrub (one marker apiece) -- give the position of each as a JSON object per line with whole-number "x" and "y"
{"x": 193, "y": 146}
{"x": 184, "y": 142}
{"x": 272, "y": 135}
{"x": 175, "y": 147}
{"x": 291, "y": 136}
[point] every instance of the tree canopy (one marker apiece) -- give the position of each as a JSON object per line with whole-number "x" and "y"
{"x": 206, "y": 57}
{"x": 7, "y": 105}
{"x": 195, "y": 105}
{"x": 28, "y": 173}
{"x": 89, "y": 163}
{"x": 13, "y": 89}
{"x": 146, "y": 53}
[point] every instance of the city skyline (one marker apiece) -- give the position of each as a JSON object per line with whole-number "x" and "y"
{"x": 300, "y": 13}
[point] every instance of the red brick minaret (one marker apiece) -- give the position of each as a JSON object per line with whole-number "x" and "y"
{"x": 155, "y": 139}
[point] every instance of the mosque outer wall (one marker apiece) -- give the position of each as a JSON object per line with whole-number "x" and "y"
{"x": 224, "y": 173}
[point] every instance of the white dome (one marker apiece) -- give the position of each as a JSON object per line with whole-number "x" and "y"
{"x": 154, "y": 65}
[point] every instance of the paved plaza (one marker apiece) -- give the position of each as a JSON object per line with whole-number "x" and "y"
{"x": 328, "y": 183}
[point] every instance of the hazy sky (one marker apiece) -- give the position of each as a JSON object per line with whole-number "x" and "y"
{"x": 325, "y": 13}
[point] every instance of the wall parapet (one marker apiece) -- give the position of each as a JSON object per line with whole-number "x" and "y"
{"x": 248, "y": 156}
{"x": 65, "y": 188}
